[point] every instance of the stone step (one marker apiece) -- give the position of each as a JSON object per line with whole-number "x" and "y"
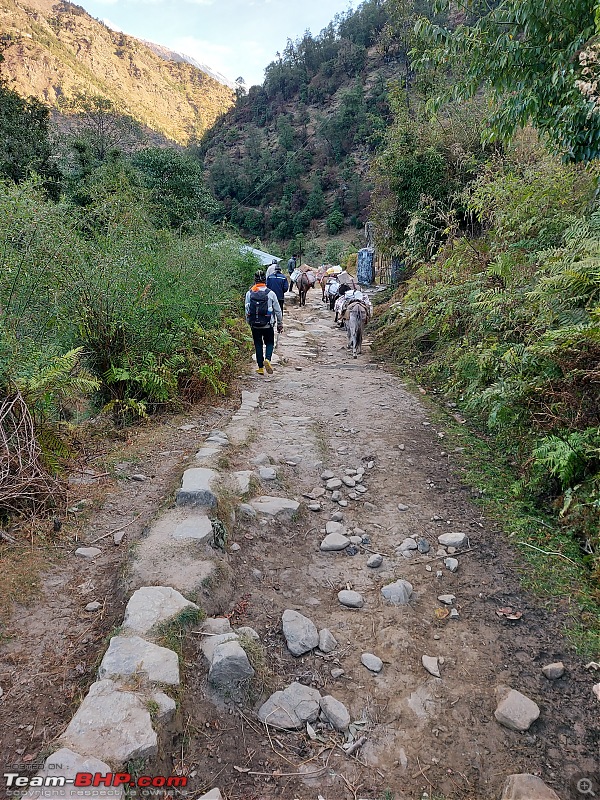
{"x": 197, "y": 488}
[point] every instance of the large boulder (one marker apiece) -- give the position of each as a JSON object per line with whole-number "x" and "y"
{"x": 130, "y": 655}
{"x": 67, "y": 764}
{"x": 151, "y": 606}
{"x": 301, "y": 635}
{"x": 292, "y": 708}
{"x": 112, "y": 725}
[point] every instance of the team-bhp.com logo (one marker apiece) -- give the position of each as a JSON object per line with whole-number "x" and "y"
{"x": 92, "y": 780}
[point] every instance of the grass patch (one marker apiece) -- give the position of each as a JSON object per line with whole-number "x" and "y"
{"x": 262, "y": 682}
{"x": 171, "y": 634}
{"x": 20, "y": 569}
{"x": 564, "y": 584}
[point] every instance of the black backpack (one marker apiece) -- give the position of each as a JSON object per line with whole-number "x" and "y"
{"x": 259, "y": 315}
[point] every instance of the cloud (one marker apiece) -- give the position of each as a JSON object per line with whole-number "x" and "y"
{"x": 112, "y": 25}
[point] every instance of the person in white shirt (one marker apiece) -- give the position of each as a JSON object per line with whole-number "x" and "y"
{"x": 271, "y": 269}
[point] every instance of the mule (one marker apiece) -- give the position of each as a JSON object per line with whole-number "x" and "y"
{"x": 303, "y": 283}
{"x": 355, "y": 326}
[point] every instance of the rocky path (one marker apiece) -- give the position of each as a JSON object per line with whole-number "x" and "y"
{"x": 354, "y": 646}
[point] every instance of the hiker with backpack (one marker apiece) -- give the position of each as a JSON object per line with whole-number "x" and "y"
{"x": 262, "y": 312}
{"x": 277, "y": 282}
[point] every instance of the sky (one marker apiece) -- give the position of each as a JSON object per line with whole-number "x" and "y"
{"x": 235, "y": 37}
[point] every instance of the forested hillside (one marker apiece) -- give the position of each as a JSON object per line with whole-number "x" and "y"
{"x": 55, "y": 51}
{"x": 292, "y": 158}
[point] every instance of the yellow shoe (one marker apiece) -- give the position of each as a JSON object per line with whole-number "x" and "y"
{"x": 268, "y": 367}
{"x": 260, "y": 371}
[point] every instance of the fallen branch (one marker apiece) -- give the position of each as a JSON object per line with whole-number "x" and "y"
{"x": 550, "y": 553}
{"x": 355, "y": 746}
{"x": 117, "y": 530}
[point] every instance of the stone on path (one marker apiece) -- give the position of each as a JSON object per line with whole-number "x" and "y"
{"x": 337, "y": 516}
{"x": 447, "y": 599}
{"x": 596, "y": 690}
{"x": 214, "y": 794}
{"x": 432, "y": 666}
{"x": 242, "y": 480}
{"x": 112, "y": 725}
{"x": 376, "y": 560}
{"x": 278, "y": 507}
{"x": 334, "y": 527}
{"x": 196, "y": 488}
{"x": 348, "y": 481}
{"x": 291, "y": 708}
{"x": 131, "y": 655}
{"x": 423, "y": 546}
{"x": 337, "y": 672}
{"x": 554, "y": 671}
{"x": 206, "y": 453}
{"x": 95, "y": 606}
{"x": 402, "y": 507}
{"x": 181, "y": 524}
{"x": 453, "y": 540}
{"x": 153, "y": 605}
{"x": 350, "y": 599}
{"x": 408, "y": 544}
{"x": 398, "y": 593}
{"x": 515, "y": 710}
{"x": 327, "y": 475}
{"x": 336, "y": 713}
{"x": 371, "y": 662}
{"x": 355, "y": 539}
{"x": 245, "y": 511}
{"x": 267, "y": 474}
{"x": 527, "y": 787}
{"x": 88, "y": 552}
{"x": 301, "y": 635}
{"x": 334, "y": 542}
{"x": 261, "y": 460}
{"x": 314, "y": 507}
{"x": 230, "y": 671}
{"x": 71, "y": 763}
{"x": 451, "y": 564}
{"x": 327, "y": 641}
{"x": 166, "y": 707}
{"x": 333, "y": 484}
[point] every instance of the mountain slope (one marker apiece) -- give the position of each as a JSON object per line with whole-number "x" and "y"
{"x": 55, "y": 50}
{"x": 291, "y": 159}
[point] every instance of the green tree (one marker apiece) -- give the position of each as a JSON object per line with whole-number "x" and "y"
{"x": 525, "y": 54}
{"x": 96, "y": 121}
{"x": 176, "y": 184}
{"x": 335, "y": 222}
{"x": 315, "y": 207}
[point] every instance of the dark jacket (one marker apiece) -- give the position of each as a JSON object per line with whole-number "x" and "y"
{"x": 277, "y": 282}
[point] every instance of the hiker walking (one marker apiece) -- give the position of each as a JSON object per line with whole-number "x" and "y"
{"x": 291, "y": 265}
{"x": 271, "y": 268}
{"x": 277, "y": 282}
{"x": 262, "y": 312}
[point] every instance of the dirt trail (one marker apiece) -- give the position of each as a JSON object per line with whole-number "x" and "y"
{"x": 322, "y": 410}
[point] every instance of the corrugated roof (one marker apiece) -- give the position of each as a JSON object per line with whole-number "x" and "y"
{"x": 264, "y": 258}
